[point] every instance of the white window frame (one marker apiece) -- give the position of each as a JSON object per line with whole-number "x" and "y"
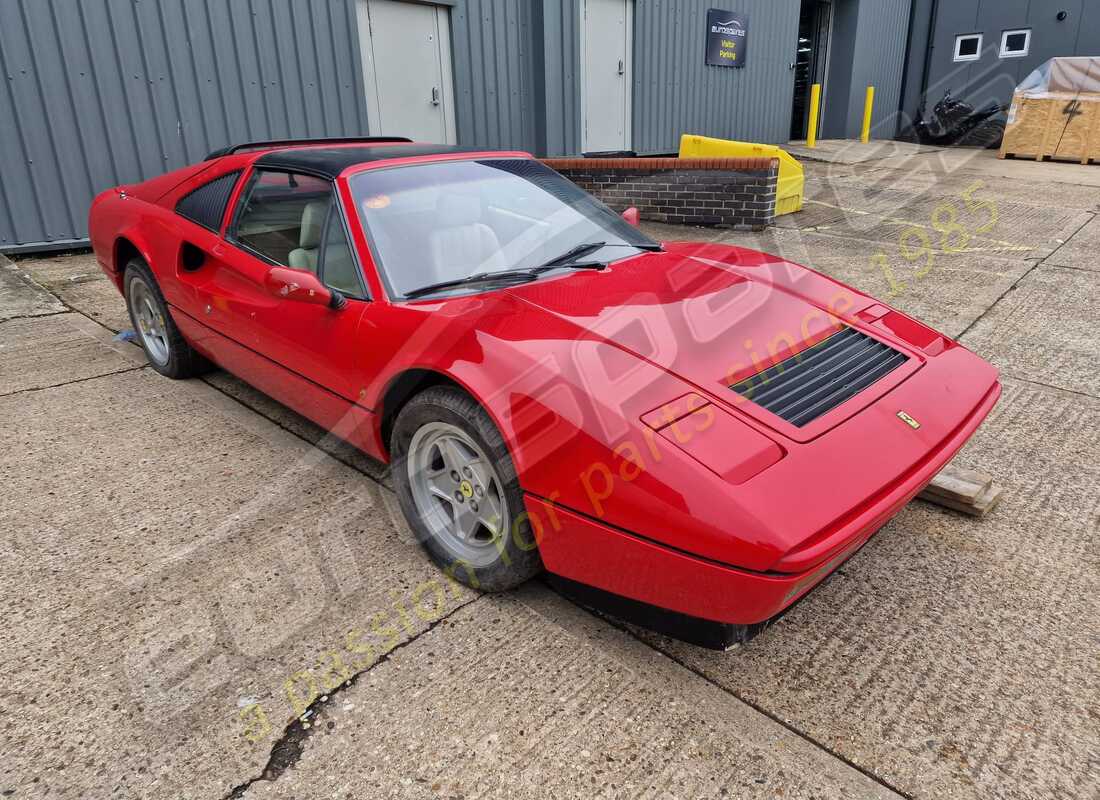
{"x": 958, "y": 41}
{"x": 1015, "y": 53}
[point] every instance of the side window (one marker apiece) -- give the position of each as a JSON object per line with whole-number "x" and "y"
{"x": 281, "y": 217}
{"x": 206, "y": 205}
{"x": 291, "y": 219}
{"x": 338, "y": 267}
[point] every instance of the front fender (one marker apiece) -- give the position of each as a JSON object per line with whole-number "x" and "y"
{"x": 592, "y": 453}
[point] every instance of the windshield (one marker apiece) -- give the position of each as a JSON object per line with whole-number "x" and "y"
{"x": 445, "y": 221}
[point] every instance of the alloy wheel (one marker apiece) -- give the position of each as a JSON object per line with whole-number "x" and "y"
{"x": 457, "y": 492}
{"x": 150, "y": 322}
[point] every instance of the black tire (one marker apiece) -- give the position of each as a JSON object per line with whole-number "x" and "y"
{"x": 181, "y": 360}
{"x": 514, "y": 556}
{"x": 986, "y": 134}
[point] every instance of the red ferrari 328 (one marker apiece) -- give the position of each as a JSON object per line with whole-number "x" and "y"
{"x": 690, "y": 435}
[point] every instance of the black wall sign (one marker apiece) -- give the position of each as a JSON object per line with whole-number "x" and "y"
{"x": 727, "y": 33}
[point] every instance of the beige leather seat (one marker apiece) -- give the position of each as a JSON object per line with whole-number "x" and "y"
{"x": 309, "y": 240}
{"x": 461, "y": 244}
{"x": 341, "y": 271}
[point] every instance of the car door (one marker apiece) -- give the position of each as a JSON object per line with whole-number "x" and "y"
{"x": 289, "y": 220}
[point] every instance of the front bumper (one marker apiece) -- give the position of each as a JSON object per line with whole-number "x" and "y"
{"x": 589, "y": 552}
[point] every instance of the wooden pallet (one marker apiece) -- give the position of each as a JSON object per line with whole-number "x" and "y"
{"x": 1063, "y": 160}
{"x": 966, "y": 490}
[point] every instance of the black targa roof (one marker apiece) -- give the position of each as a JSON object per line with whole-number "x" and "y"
{"x": 329, "y": 162}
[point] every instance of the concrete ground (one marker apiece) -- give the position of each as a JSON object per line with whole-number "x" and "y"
{"x": 188, "y": 566}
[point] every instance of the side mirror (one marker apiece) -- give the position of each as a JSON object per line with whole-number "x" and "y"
{"x": 631, "y": 216}
{"x": 297, "y": 284}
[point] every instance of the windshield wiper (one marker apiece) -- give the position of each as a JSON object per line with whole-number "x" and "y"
{"x": 518, "y": 275}
{"x": 572, "y": 265}
{"x": 574, "y": 252}
{"x": 591, "y": 247}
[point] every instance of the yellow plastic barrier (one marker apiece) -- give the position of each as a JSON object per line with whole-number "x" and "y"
{"x": 791, "y": 184}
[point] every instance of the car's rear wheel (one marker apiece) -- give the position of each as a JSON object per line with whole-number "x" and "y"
{"x": 458, "y": 489}
{"x": 168, "y": 352}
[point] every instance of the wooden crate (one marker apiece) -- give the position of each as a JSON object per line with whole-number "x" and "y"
{"x": 1063, "y": 127}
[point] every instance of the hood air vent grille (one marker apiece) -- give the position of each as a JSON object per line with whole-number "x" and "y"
{"x": 820, "y": 378}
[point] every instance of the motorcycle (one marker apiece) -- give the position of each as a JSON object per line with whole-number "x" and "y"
{"x": 955, "y": 123}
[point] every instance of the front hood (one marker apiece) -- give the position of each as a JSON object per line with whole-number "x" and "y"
{"x": 711, "y": 315}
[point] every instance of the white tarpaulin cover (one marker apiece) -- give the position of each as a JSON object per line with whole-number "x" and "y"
{"x": 1063, "y": 76}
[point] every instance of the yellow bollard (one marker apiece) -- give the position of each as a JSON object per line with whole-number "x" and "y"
{"x": 815, "y": 104}
{"x": 865, "y": 134}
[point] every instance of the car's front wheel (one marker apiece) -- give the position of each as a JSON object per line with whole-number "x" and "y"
{"x": 459, "y": 491}
{"x": 168, "y": 352}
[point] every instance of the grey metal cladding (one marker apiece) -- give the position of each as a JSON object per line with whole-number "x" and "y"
{"x": 561, "y": 72}
{"x": 493, "y": 46}
{"x": 676, "y": 92}
{"x": 97, "y": 93}
{"x": 878, "y": 60}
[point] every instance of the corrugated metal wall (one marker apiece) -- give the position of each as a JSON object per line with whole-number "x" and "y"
{"x": 493, "y": 46}
{"x": 561, "y": 70}
{"x": 868, "y": 49}
{"x": 920, "y": 32}
{"x": 101, "y": 92}
{"x": 878, "y": 60}
{"x": 676, "y": 92}
{"x": 96, "y": 93}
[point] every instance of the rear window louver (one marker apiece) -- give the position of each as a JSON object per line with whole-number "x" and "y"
{"x": 820, "y": 378}
{"x": 206, "y": 204}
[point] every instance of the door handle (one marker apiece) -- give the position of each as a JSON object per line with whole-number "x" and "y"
{"x": 621, "y": 67}
{"x": 435, "y": 95}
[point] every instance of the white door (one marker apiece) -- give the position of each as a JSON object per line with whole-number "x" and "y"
{"x": 607, "y": 31}
{"x": 407, "y": 69}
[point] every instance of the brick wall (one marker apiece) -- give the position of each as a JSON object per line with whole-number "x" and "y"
{"x": 734, "y": 192}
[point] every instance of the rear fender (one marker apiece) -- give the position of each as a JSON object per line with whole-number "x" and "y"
{"x": 131, "y": 233}
{"x": 119, "y": 220}
{"x": 134, "y": 236}
{"x": 114, "y": 219}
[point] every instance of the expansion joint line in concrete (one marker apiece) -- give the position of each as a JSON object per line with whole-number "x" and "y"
{"x": 34, "y": 316}
{"x": 288, "y": 748}
{"x": 75, "y": 380}
{"x": 1016, "y": 282}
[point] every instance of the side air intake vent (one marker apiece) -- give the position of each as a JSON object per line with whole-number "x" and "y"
{"x": 820, "y": 378}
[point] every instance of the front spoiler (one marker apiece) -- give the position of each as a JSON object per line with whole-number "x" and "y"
{"x": 693, "y": 630}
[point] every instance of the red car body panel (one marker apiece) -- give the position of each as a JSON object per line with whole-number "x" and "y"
{"x": 718, "y": 509}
